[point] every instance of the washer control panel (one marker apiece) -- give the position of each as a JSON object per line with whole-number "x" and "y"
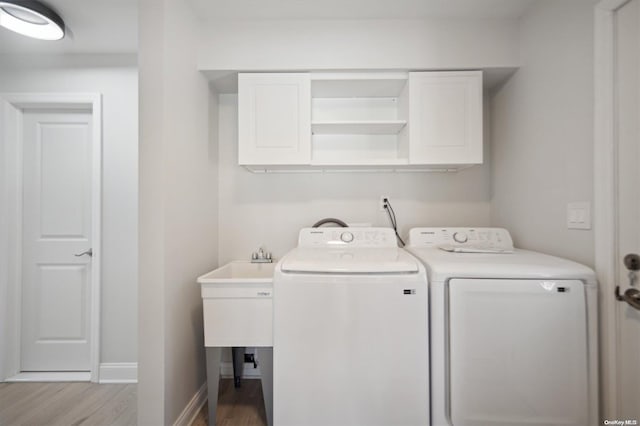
{"x": 460, "y": 237}
{"x": 343, "y": 237}
{"x": 347, "y": 236}
{"x": 472, "y": 238}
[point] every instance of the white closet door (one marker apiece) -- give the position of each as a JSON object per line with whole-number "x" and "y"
{"x": 56, "y": 225}
{"x": 518, "y": 353}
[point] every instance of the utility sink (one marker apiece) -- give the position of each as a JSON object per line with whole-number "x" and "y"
{"x": 237, "y": 310}
{"x": 237, "y": 304}
{"x": 239, "y": 272}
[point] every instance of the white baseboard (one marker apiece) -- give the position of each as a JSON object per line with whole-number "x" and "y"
{"x": 192, "y": 409}
{"x": 248, "y": 372}
{"x": 118, "y": 372}
{"x": 51, "y": 376}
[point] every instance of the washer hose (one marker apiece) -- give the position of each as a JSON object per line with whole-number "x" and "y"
{"x": 330, "y": 220}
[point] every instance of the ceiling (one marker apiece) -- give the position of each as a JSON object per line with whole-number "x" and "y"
{"x": 358, "y": 9}
{"x": 110, "y": 26}
{"x": 94, "y": 26}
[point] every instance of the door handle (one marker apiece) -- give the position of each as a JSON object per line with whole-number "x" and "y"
{"x": 632, "y": 262}
{"x": 87, "y": 252}
{"x": 631, "y": 295}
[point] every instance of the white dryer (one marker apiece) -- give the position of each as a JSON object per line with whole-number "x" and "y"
{"x": 513, "y": 332}
{"x": 350, "y": 331}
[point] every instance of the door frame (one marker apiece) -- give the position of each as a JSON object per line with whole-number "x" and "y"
{"x": 606, "y": 196}
{"x": 12, "y": 107}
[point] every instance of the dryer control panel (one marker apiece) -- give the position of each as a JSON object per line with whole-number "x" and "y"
{"x": 462, "y": 239}
{"x": 351, "y": 237}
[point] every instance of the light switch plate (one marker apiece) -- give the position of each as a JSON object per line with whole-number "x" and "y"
{"x": 579, "y": 215}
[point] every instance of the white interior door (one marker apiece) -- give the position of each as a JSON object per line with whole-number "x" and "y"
{"x": 56, "y": 226}
{"x": 628, "y": 143}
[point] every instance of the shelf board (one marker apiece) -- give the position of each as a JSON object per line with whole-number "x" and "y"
{"x": 391, "y": 127}
{"x": 362, "y": 162}
{"x": 358, "y": 85}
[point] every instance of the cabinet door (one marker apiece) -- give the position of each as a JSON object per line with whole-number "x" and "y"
{"x": 445, "y": 117}
{"x": 274, "y": 117}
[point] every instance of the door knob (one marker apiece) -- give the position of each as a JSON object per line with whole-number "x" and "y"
{"x": 631, "y": 295}
{"x": 632, "y": 262}
{"x": 87, "y": 252}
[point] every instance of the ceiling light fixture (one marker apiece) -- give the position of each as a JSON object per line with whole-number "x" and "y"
{"x": 31, "y": 18}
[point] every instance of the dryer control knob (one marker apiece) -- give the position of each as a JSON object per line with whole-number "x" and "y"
{"x": 346, "y": 237}
{"x": 460, "y": 237}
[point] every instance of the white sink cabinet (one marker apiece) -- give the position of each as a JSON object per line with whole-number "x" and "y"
{"x": 238, "y": 311}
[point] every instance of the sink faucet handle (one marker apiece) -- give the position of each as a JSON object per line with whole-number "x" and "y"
{"x": 261, "y": 256}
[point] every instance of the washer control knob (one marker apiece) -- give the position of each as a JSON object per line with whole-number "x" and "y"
{"x": 346, "y": 237}
{"x": 460, "y": 237}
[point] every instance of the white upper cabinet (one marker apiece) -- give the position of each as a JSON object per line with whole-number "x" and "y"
{"x": 445, "y": 118}
{"x": 356, "y": 120}
{"x": 274, "y": 116}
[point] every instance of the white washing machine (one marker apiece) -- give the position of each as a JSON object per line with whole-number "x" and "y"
{"x": 513, "y": 332}
{"x": 350, "y": 331}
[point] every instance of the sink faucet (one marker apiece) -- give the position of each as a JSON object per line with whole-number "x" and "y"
{"x": 261, "y": 256}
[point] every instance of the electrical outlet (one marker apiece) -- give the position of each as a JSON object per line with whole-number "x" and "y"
{"x": 250, "y": 359}
{"x": 383, "y": 202}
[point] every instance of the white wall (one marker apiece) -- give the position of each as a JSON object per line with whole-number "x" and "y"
{"x": 270, "y": 209}
{"x": 542, "y": 125}
{"x": 178, "y": 210}
{"x": 362, "y": 44}
{"x": 116, "y": 78}
{"x": 185, "y": 201}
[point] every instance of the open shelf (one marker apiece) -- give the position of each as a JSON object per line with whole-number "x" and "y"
{"x": 363, "y": 162}
{"x": 359, "y": 120}
{"x": 390, "y": 127}
{"x": 357, "y": 84}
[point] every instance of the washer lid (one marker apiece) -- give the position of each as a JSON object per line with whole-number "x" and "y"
{"x": 349, "y": 261}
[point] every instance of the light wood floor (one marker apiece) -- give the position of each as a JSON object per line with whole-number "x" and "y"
{"x": 67, "y": 404}
{"x": 237, "y": 407}
{"x": 90, "y": 404}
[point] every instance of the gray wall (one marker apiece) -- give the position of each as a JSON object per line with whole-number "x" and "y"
{"x": 542, "y": 131}
{"x": 269, "y": 209}
{"x": 178, "y": 210}
{"x": 116, "y": 78}
{"x": 437, "y": 43}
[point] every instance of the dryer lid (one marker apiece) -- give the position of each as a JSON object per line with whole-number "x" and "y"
{"x": 521, "y": 264}
{"x": 349, "y": 261}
